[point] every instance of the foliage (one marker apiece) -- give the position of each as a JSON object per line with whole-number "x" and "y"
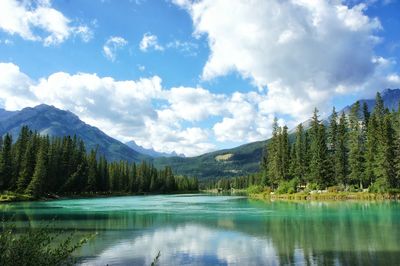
{"x": 287, "y": 187}
{"x": 379, "y": 186}
{"x": 39, "y": 167}
{"x": 253, "y": 189}
{"x": 36, "y": 247}
{"x": 357, "y": 150}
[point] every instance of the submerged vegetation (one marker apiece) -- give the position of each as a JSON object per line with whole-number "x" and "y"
{"x": 36, "y": 166}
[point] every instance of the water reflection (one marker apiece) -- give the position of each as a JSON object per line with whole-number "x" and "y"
{"x": 205, "y": 230}
{"x": 189, "y": 244}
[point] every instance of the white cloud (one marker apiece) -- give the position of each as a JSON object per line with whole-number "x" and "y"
{"x": 6, "y": 42}
{"x": 303, "y": 52}
{"x": 38, "y": 21}
{"x": 111, "y": 46}
{"x": 126, "y": 110}
{"x": 187, "y": 48}
{"x": 194, "y": 241}
{"x": 150, "y": 41}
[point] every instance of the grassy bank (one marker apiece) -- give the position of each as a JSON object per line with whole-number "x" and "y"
{"x": 326, "y": 196}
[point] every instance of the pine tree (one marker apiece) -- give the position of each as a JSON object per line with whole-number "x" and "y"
{"x": 28, "y": 164}
{"x": 366, "y": 115}
{"x": 298, "y": 158}
{"x": 333, "y": 145}
{"x": 19, "y": 152}
{"x": 6, "y": 163}
{"x": 318, "y": 164}
{"x": 273, "y": 155}
{"x": 35, "y": 187}
{"x": 92, "y": 172}
{"x": 355, "y": 146}
{"x": 284, "y": 152}
{"x": 371, "y": 149}
{"x": 385, "y": 168}
{"x": 341, "y": 155}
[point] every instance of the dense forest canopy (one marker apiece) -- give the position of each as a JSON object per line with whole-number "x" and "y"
{"x": 38, "y": 165}
{"x": 353, "y": 152}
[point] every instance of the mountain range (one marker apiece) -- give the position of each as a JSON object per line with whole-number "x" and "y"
{"x": 151, "y": 152}
{"x": 52, "y": 121}
{"x": 237, "y": 161}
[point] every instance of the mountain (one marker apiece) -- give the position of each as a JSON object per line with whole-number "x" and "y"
{"x": 150, "y": 152}
{"x": 55, "y": 122}
{"x": 246, "y": 159}
{"x": 390, "y": 97}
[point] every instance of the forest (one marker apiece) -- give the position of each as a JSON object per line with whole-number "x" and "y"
{"x": 352, "y": 152}
{"x": 39, "y": 166}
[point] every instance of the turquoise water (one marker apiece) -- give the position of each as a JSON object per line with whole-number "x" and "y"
{"x": 222, "y": 230}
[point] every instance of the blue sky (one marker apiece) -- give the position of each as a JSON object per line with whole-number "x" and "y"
{"x": 192, "y": 77}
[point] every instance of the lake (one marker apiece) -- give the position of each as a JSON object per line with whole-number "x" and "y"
{"x": 203, "y": 229}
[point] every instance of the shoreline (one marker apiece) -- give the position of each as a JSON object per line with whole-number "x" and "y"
{"x": 329, "y": 196}
{"x": 300, "y": 196}
{"x": 16, "y": 197}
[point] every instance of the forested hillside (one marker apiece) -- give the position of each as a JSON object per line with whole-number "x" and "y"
{"x": 49, "y": 120}
{"x": 39, "y": 165}
{"x": 354, "y": 152}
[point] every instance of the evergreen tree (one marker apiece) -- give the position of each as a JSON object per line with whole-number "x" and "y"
{"x": 298, "y": 158}
{"x": 92, "y": 172}
{"x": 318, "y": 163}
{"x": 341, "y": 155}
{"x": 28, "y": 164}
{"x": 6, "y": 163}
{"x": 284, "y": 154}
{"x": 35, "y": 187}
{"x": 273, "y": 155}
{"x": 355, "y": 146}
{"x": 371, "y": 149}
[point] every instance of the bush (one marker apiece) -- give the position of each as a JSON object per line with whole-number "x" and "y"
{"x": 312, "y": 186}
{"x": 254, "y": 189}
{"x": 287, "y": 187}
{"x": 36, "y": 247}
{"x": 379, "y": 186}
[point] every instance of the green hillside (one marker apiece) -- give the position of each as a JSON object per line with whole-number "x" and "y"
{"x": 224, "y": 163}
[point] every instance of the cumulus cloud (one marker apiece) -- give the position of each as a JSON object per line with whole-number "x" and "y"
{"x": 126, "y": 110}
{"x": 150, "y": 41}
{"x": 301, "y": 52}
{"x": 194, "y": 241}
{"x": 38, "y": 21}
{"x": 111, "y": 46}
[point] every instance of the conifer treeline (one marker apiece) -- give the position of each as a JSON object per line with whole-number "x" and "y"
{"x": 37, "y": 165}
{"x": 359, "y": 150}
{"x": 352, "y": 152}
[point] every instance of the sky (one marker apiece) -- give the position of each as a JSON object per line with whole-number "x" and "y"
{"x": 196, "y": 76}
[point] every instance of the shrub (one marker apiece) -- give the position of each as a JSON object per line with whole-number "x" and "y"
{"x": 312, "y": 186}
{"x": 36, "y": 247}
{"x": 254, "y": 189}
{"x": 379, "y": 186}
{"x": 287, "y": 187}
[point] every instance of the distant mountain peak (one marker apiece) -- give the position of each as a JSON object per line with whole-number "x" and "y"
{"x": 389, "y": 91}
{"x": 151, "y": 152}
{"x": 49, "y": 120}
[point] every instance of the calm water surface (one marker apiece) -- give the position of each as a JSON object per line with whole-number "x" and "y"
{"x": 222, "y": 230}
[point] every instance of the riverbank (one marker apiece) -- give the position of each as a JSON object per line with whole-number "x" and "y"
{"x": 335, "y": 196}
{"x": 17, "y": 197}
